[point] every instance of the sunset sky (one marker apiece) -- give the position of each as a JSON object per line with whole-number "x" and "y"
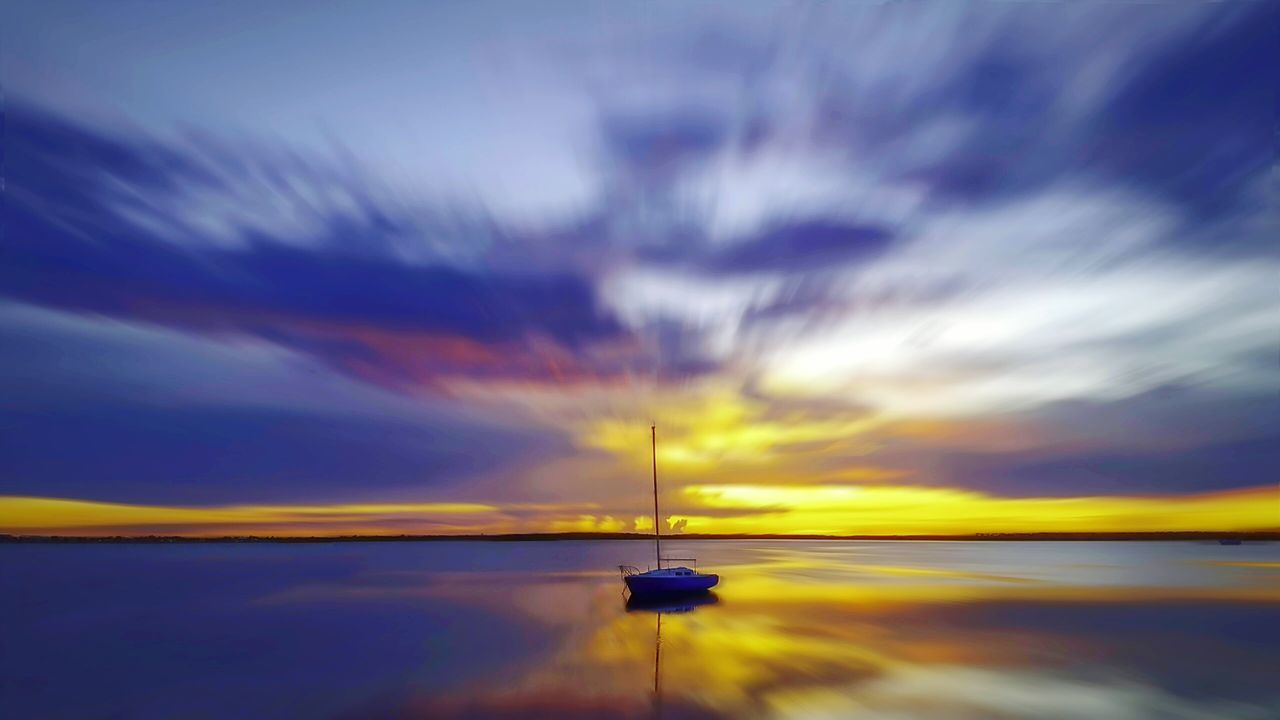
{"x": 434, "y": 267}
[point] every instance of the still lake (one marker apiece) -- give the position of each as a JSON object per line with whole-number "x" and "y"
{"x": 803, "y": 629}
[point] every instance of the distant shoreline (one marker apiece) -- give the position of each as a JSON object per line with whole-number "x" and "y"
{"x": 1253, "y": 536}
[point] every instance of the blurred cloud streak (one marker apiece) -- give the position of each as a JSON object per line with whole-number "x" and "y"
{"x": 901, "y": 243}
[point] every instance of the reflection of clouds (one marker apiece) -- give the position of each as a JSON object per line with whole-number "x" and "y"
{"x": 963, "y": 693}
{"x": 883, "y": 630}
{"x": 905, "y": 663}
{"x": 897, "y": 659}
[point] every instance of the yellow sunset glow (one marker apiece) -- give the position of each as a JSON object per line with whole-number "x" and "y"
{"x": 25, "y": 514}
{"x": 714, "y": 426}
{"x": 746, "y": 509}
{"x": 591, "y": 523}
{"x": 892, "y": 510}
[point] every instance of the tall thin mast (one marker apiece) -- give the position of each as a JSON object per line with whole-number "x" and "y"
{"x": 657, "y": 532}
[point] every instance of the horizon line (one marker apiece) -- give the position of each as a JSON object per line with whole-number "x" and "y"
{"x": 1267, "y": 535}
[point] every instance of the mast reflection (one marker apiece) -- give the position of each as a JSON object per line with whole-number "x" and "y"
{"x": 660, "y": 607}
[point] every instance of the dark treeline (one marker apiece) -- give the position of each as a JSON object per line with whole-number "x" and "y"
{"x": 1269, "y": 535}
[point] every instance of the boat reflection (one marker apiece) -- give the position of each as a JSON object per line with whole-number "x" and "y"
{"x": 676, "y": 604}
{"x": 660, "y": 606}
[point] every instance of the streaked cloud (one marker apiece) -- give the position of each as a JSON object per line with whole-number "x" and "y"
{"x": 1007, "y": 253}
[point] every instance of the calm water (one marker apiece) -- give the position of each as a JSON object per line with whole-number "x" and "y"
{"x": 797, "y": 629}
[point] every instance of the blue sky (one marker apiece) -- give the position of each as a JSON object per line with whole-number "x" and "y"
{"x": 462, "y": 253}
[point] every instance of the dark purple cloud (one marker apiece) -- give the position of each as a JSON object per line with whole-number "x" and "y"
{"x": 1178, "y": 438}
{"x": 1189, "y": 122}
{"x": 107, "y": 411}
{"x": 1252, "y": 462}
{"x": 136, "y": 452}
{"x": 1197, "y": 123}
{"x": 72, "y": 242}
{"x": 654, "y": 147}
{"x": 796, "y": 247}
{"x": 801, "y": 247}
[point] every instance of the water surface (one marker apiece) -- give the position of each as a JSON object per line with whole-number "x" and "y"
{"x": 796, "y": 629}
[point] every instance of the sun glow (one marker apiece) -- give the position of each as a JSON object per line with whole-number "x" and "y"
{"x": 707, "y": 428}
{"x": 825, "y": 509}
{"x": 78, "y": 517}
{"x": 736, "y": 509}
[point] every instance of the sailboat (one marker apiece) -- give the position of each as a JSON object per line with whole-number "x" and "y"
{"x": 664, "y": 580}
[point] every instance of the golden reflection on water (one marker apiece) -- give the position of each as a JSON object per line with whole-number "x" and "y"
{"x": 830, "y": 634}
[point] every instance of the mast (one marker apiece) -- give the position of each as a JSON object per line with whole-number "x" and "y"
{"x": 657, "y": 532}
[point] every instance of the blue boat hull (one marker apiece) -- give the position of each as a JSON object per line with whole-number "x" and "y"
{"x": 659, "y": 585}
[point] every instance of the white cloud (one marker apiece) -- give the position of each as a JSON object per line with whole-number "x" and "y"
{"x": 1061, "y": 296}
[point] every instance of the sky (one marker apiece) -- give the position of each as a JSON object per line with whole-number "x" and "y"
{"x": 871, "y": 268}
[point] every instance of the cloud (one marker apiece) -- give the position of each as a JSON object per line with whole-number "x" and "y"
{"x": 92, "y": 229}
{"x": 108, "y": 410}
{"x": 1002, "y": 101}
{"x": 1020, "y": 261}
{"x": 1236, "y": 464}
{"x": 1196, "y": 123}
{"x": 816, "y": 229}
{"x": 803, "y": 246}
{"x": 898, "y": 509}
{"x": 655, "y": 148}
{"x": 132, "y": 451}
{"x": 1067, "y": 295}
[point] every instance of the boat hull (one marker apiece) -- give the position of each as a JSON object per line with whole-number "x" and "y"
{"x": 668, "y": 585}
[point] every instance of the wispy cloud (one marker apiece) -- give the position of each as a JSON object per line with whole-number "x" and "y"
{"x": 902, "y": 244}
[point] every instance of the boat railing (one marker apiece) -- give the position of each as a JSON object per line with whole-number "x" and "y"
{"x": 669, "y": 560}
{"x": 626, "y": 570}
